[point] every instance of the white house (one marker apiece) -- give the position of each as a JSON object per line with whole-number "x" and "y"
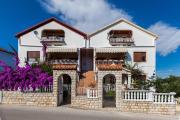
{"x": 95, "y": 60}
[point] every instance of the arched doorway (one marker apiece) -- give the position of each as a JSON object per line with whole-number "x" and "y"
{"x": 109, "y": 90}
{"x": 64, "y": 89}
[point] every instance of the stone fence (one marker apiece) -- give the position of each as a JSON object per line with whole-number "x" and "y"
{"x": 33, "y": 99}
{"x": 131, "y": 100}
{"x": 148, "y": 102}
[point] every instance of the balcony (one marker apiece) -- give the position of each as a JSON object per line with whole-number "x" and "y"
{"x": 121, "y": 41}
{"x": 53, "y": 37}
{"x": 120, "y": 38}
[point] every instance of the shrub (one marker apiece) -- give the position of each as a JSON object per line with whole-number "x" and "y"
{"x": 24, "y": 78}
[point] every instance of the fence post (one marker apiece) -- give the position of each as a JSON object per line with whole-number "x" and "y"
{"x": 150, "y": 96}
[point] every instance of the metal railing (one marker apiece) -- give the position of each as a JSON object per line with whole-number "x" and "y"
{"x": 47, "y": 89}
{"x": 63, "y": 61}
{"x": 109, "y": 87}
{"x": 81, "y": 91}
{"x": 53, "y": 38}
{"x": 121, "y": 40}
{"x": 109, "y": 61}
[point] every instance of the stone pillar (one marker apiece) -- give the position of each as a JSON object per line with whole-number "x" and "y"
{"x": 100, "y": 88}
{"x": 55, "y": 86}
{"x": 73, "y": 84}
{"x": 118, "y": 89}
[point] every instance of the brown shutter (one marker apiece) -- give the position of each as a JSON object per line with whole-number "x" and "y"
{"x": 33, "y": 54}
{"x": 139, "y": 56}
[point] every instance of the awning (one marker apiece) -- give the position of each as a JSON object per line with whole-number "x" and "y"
{"x": 111, "y": 50}
{"x": 61, "y": 50}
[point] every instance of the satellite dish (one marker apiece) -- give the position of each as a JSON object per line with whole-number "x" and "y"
{"x": 36, "y": 33}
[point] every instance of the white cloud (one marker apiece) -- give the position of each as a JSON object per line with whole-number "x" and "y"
{"x": 87, "y": 15}
{"x": 169, "y": 37}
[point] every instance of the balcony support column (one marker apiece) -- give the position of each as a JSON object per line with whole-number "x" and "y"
{"x": 129, "y": 80}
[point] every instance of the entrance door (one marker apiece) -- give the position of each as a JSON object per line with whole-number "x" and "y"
{"x": 66, "y": 89}
{"x": 109, "y": 91}
{"x": 64, "y": 92}
{"x": 86, "y": 59}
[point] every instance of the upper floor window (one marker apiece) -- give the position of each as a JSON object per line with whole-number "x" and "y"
{"x": 139, "y": 56}
{"x": 120, "y": 37}
{"x": 33, "y": 57}
{"x": 53, "y": 36}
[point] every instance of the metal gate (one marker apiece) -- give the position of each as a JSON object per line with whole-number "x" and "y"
{"x": 1, "y": 96}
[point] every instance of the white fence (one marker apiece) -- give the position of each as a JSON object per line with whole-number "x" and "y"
{"x": 138, "y": 95}
{"x": 164, "y": 97}
{"x": 1, "y": 96}
{"x": 92, "y": 93}
{"x": 146, "y": 95}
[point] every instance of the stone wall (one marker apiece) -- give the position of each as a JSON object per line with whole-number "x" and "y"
{"x": 86, "y": 103}
{"x": 148, "y": 107}
{"x": 32, "y": 99}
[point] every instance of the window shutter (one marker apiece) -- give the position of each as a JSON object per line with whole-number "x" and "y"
{"x": 33, "y": 54}
{"x": 139, "y": 56}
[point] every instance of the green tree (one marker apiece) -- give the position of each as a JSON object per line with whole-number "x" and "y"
{"x": 168, "y": 84}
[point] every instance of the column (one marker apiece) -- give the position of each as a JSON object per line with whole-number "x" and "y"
{"x": 129, "y": 80}
{"x": 100, "y": 88}
{"x": 118, "y": 89}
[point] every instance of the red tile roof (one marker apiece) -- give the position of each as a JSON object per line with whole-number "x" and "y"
{"x": 64, "y": 66}
{"x": 109, "y": 66}
{"x": 50, "y": 20}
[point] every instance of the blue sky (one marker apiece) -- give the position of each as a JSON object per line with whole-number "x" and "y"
{"x": 163, "y": 17}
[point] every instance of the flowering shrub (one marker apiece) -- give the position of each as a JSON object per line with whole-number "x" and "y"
{"x": 23, "y": 78}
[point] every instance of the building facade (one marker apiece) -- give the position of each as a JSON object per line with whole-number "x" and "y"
{"x": 89, "y": 70}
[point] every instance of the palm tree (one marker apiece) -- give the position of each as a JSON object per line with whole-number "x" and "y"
{"x": 6, "y": 51}
{"x": 136, "y": 76}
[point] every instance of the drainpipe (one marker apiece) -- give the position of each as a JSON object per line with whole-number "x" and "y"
{"x": 89, "y": 42}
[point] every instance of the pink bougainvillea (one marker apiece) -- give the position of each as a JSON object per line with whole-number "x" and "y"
{"x": 23, "y": 78}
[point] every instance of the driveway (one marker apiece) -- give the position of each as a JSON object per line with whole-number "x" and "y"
{"x": 8, "y": 112}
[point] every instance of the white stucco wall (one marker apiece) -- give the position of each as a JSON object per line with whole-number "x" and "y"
{"x": 144, "y": 42}
{"x": 141, "y": 38}
{"x": 30, "y": 42}
{"x": 149, "y": 66}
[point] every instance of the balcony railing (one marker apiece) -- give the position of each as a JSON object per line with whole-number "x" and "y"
{"x": 53, "y": 38}
{"x": 119, "y": 41}
{"x": 109, "y": 61}
{"x": 63, "y": 61}
{"x": 146, "y": 95}
{"x": 92, "y": 93}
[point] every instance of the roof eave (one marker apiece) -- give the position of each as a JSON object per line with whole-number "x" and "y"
{"x": 18, "y": 35}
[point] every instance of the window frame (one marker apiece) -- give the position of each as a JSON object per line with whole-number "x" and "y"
{"x": 143, "y": 53}
{"x": 35, "y": 57}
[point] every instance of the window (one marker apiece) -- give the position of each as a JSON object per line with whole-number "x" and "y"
{"x": 139, "y": 56}
{"x": 142, "y": 77}
{"x": 33, "y": 57}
